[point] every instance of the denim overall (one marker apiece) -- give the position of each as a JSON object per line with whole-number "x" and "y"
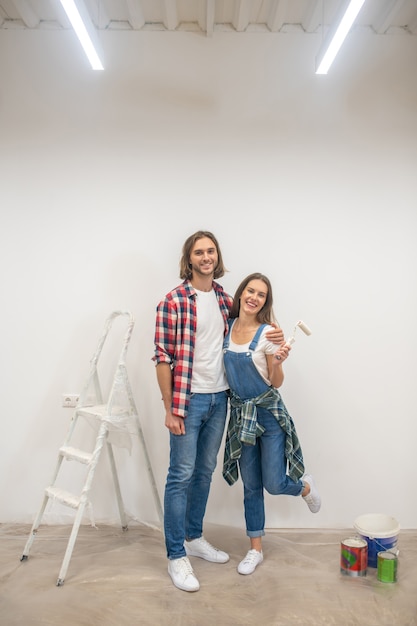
{"x": 262, "y": 465}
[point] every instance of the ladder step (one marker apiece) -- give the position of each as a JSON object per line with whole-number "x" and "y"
{"x": 65, "y": 497}
{"x": 102, "y": 410}
{"x": 74, "y": 454}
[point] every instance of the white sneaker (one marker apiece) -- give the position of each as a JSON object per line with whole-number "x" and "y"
{"x": 250, "y": 562}
{"x": 182, "y": 574}
{"x": 313, "y": 499}
{"x": 203, "y": 549}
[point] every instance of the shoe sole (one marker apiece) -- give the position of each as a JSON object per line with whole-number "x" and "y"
{"x": 249, "y": 573}
{"x": 183, "y": 588}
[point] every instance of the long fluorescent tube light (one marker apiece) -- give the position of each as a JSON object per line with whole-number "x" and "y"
{"x": 84, "y": 30}
{"x": 337, "y": 33}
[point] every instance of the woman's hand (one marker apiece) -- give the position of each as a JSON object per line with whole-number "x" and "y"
{"x": 282, "y": 353}
{"x": 275, "y": 361}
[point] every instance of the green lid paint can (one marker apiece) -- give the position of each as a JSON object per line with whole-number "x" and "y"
{"x": 387, "y": 567}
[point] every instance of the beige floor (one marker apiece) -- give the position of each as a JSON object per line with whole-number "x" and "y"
{"x": 118, "y": 578}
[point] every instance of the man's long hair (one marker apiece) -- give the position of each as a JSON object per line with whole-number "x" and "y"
{"x": 185, "y": 269}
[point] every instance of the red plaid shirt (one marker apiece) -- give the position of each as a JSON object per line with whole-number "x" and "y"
{"x": 175, "y": 329}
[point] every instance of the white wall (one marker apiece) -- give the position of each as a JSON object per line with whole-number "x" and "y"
{"x": 309, "y": 179}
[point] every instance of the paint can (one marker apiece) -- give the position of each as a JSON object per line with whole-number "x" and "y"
{"x": 387, "y": 567}
{"x": 381, "y": 533}
{"x": 354, "y": 556}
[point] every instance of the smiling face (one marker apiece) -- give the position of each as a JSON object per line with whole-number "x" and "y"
{"x": 253, "y": 297}
{"x": 203, "y": 257}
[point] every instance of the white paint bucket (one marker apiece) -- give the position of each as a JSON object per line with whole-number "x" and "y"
{"x": 381, "y": 533}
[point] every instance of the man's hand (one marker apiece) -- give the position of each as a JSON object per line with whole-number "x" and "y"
{"x": 175, "y": 424}
{"x": 276, "y": 335}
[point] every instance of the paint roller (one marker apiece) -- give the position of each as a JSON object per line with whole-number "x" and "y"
{"x": 303, "y": 327}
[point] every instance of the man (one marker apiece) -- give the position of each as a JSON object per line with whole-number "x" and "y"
{"x": 191, "y": 377}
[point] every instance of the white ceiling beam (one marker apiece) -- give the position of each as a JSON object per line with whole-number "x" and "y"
{"x": 26, "y": 12}
{"x": 276, "y": 17}
{"x": 221, "y": 13}
{"x": 135, "y": 11}
{"x": 170, "y": 18}
{"x": 386, "y": 18}
{"x": 313, "y": 16}
{"x": 206, "y": 10}
{"x": 61, "y": 16}
{"x": 98, "y": 13}
{"x": 241, "y": 15}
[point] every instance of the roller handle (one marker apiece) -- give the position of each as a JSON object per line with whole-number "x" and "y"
{"x": 300, "y": 324}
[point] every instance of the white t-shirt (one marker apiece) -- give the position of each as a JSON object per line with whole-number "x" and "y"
{"x": 264, "y": 346}
{"x": 208, "y": 375}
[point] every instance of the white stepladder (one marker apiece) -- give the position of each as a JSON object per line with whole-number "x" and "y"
{"x": 111, "y": 417}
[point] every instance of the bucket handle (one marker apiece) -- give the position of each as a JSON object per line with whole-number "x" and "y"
{"x": 394, "y": 552}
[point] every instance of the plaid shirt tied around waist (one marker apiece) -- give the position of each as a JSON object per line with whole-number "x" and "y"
{"x": 243, "y": 428}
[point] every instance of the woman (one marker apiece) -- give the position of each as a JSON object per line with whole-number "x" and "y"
{"x": 261, "y": 438}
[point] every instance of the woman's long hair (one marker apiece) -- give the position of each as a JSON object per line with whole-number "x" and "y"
{"x": 266, "y": 314}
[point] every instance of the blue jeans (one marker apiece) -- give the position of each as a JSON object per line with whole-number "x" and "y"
{"x": 264, "y": 466}
{"x": 193, "y": 458}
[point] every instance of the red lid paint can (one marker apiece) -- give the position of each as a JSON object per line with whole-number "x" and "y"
{"x": 354, "y": 556}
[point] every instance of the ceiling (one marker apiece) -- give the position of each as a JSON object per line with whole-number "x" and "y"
{"x": 384, "y": 17}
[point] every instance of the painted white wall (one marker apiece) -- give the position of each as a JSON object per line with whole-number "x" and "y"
{"x": 309, "y": 179}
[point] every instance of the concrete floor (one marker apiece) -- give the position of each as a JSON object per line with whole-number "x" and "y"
{"x": 118, "y": 578}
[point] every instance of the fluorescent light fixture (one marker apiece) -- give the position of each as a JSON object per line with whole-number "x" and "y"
{"x": 84, "y": 29}
{"x": 347, "y": 13}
